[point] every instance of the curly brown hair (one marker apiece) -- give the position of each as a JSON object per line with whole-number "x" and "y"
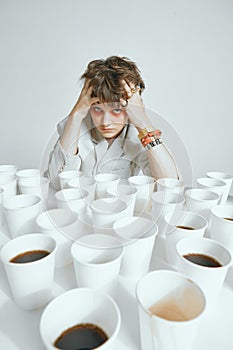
{"x": 105, "y": 76}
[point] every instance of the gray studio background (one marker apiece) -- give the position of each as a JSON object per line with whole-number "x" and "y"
{"x": 183, "y": 48}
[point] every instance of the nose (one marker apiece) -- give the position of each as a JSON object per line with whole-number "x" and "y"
{"x": 106, "y": 119}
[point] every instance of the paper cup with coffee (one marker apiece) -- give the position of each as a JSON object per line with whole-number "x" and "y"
{"x": 206, "y": 262}
{"x": 81, "y": 318}
{"x": 171, "y": 307}
{"x": 180, "y": 225}
{"x": 29, "y": 263}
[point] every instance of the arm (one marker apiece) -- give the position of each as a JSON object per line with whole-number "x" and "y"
{"x": 161, "y": 161}
{"x": 70, "y": 136}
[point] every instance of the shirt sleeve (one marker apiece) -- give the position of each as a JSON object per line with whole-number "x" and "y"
{"x": 59, "y": 160}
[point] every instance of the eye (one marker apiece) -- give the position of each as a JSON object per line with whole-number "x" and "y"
{"x": 117, "y": 111}
{"x": 96, "y": 109}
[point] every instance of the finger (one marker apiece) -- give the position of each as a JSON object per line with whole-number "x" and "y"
{"x": 127, "y": 88}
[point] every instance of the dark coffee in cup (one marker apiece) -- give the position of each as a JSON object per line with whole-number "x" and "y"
{"x": 185, "y": 227}
{"x": 83, "y": 336}
{"x": 29, "y": 256}
{"x": 230, "y": 219}
{"x": 203, "y": 260}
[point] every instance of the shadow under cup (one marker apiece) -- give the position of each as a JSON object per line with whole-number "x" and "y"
{"x": 170, "y": 309}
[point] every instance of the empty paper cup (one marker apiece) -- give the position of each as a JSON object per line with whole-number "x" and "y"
{"x": 8, "y": 183}
{"x": 144, "y": 185}
{"x": 27, "y": 173}
{"x": 79, "y": 308}
{"x": 66, "y": 175}
{"x": 137, "y": 234}
{"x": 170, "y": 184}
{"x": 29, "y": 263}
{"x": 105, "y": 211}
{"x": 221, "y": 225}
{"x": 200, "y": 201}
{"x": 20, "y": 212}
{"x": 72, "y": 198}
{"x": 215, "y": 185}
{"x": 63, "y": 226}
{"x": 9, "y": 169}
{"x": 36, "y": 185}
{"x": 97, "y": 260}
{"x": 85, "y": 183}
{"x": 171, "y": 307}
{"x": 126, "y": 193}
{"x": 104, "y": 181}
{"x": 227, "y": 178}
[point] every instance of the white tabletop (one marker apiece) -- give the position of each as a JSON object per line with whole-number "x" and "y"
{"x": 19, "y": 329}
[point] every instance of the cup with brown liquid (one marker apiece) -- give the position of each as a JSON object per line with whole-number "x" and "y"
{"x": 206, "y": 262}
{"x": 171, "y": 307}
{"x": 181, "y": 224}
{"x": 29, "y": 262}
{"x": 81, "y": 318}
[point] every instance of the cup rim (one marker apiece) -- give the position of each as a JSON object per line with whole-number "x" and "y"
{"x": 227, "y": 175}
{"x": 81, "y": 291}
{"x": 62, "y": 174}
{"x": 178, "y": 323}
{"x": 180, "y": 199}
{"x": 107, "y": 175}
{"x": 135, "y": 177}
{"x": 118, "y": 246}
{"x": 202, "y": 190}
{"x": 47, "y": 212}
{"x": 188, "y": 213}
{"x": 23, "y": 237}
{"x": 58, "y": 194}
{"x": 221, "y": 182}
{"x": 105, "y": 212}
{"x": 148, "y": 234}
{"x": 6, "y": 201}
{"x": 23, "y": 172}
{"x": 162, "y": 182}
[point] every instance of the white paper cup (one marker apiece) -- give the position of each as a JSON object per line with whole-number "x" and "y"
{"x": 97, "y": 260}
{"x": 200, "y": 201}
{"x": 78, "y": 306}
{"x": 215, "y": 185}
{"x": 162, "y": 203}
{"x": 31, "y": 283}
{"x": 221, "y": 229}
{"x": 170, "y": 184}
{"x": 66, "y": 175}
{"x": 84, "y": 183}
{"x": 181, "y": 299}
{"x": 105, "y": 211}
{"x": 210, "y": 279}
{"x": 9, "y": 169}
{"x": 20, "y": 174}
{"x": 74, "y": 199}
{"x": 36, "y": 185}
{"x": 137, "y": 234}
{"x": 227, "y": 178}
{"x": 63, "y": 226}
{"x": 176, "y": 223}
{"x": 126, "y": 193}
{"x": 9, "y": 183}
{"x": 144, "y": 185}
{"x": 103, "y": 181}
{"x": 1, "y": 199}
{"x": 20, "y": 212}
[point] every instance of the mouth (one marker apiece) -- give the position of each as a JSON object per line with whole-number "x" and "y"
{"x": 106, "y": 129}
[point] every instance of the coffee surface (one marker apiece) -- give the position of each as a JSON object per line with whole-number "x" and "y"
{"x": 29, "y": 256}
{"x": 185, "y": 227}
{"x": 203, "y": 260}
{"x": 230, "y": 219}
{"x": 83, "y": 336}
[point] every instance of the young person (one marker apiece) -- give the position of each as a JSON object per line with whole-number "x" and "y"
{"x": 108, "y": 130}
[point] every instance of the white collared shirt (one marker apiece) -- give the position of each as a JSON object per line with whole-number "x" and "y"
{"x": 125, "y": 157}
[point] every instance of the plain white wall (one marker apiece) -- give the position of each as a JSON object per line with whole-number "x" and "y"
{"x": 184, "y": 49}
